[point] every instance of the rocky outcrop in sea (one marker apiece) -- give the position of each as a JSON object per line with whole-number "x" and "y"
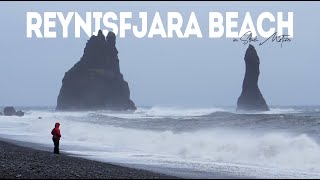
{"x": 95, "y": 82}
{"x": 11, "y": 111}
{"x": 251, "y": 98}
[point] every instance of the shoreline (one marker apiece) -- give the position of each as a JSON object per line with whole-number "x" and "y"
{"x": 23, "y": 162}
{"x": 154, "y": 172}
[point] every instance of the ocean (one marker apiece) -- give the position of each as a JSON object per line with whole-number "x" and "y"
{"x": 186, "y": 142}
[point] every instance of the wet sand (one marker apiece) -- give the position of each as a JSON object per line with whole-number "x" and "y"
{"x": 18, "y": 162}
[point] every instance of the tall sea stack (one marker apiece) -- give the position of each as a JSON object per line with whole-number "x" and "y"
{"x": 251, "y": 98}
{"x": 95, "y": 82}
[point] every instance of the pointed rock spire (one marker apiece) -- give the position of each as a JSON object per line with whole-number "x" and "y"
{"x": 95, "y": 82}
{"x": 251, "y": 98}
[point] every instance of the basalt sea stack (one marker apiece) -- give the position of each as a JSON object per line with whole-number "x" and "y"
{"x": 95, "y": 82}
{"x": 251, "y": 98}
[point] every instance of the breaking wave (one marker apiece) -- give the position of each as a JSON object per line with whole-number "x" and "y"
{"x": 205, "y": 147}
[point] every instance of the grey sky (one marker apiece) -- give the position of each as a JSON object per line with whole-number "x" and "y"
{"x": 182, "y": 72}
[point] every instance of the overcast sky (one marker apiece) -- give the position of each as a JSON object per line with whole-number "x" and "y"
{"x": 181, "y": 72}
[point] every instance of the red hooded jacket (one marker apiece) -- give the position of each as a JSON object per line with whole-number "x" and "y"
{"x": 56, "y": 131}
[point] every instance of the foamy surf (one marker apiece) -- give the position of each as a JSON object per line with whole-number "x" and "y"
{"x": 162, "y": 112}
{"x": 236, "y": 151}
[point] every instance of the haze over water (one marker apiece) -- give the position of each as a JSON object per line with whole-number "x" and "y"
{"x": 185, "y": 89}
{"x": 209, "y": 142}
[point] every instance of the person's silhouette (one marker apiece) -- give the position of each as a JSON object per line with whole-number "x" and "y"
{"x": 56, "y": 135}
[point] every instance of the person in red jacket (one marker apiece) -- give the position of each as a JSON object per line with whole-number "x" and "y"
{"x": 56, "y": 135}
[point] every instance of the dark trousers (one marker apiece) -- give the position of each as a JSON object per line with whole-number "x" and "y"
{"x": 56, "y": 145}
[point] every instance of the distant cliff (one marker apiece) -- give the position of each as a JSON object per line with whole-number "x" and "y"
{"x": 95, "y": 82}
{"x": 251, "y": 98}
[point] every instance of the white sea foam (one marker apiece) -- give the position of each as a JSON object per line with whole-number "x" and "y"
{"x": 272, "y": 111}
{"x": 197, "y": 150}
{"x": 163, "y": 112}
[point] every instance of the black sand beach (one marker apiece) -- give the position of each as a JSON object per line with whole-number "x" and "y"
{"x": 17, "y": 162}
